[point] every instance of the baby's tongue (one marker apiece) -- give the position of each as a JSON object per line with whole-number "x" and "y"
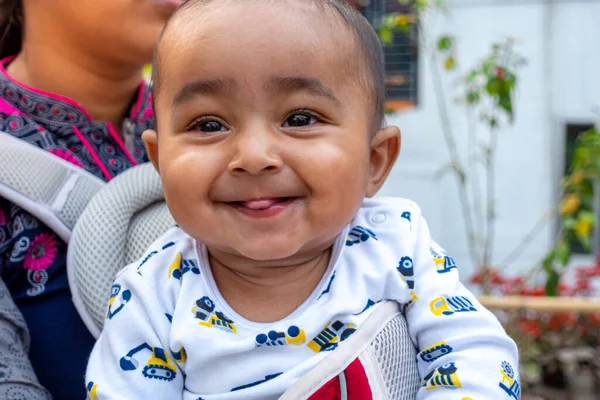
{"x": 259, "y": 204}
{"x": 174, "y": 3}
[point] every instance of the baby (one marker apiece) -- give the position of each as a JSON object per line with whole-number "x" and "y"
{"x": 270, "y": 147}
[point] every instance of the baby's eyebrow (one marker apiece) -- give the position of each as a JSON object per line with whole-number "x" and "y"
{"x": 298, "y": 83}
{"x": 274, "y": 84}
{"x": 203, "y": 87}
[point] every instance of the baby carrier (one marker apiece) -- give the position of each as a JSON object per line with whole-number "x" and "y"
{"x": 109, "y": 225}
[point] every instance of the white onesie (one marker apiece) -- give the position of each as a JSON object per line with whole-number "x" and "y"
{"x": 170, "y": 335}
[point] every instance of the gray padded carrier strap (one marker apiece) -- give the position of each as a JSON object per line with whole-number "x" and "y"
{"x": 383, "y": 346}
{"x": 125, "y": 217}
{"x": 53, "y": 190}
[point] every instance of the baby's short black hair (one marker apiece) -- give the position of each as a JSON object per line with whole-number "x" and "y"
{"x": 370, "y": 50}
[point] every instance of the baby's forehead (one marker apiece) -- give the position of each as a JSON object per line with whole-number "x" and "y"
{"x": 198, "y": 35}
{"x": 197, "y": 20}
{"x": 200, "y": 17}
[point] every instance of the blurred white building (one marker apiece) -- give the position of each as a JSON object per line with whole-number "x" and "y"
{"x": 559, "y": 86}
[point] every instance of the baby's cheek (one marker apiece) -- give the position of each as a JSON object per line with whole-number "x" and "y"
{"x": 338, "y": 200}
{"x": 185, "y": 168}
{"x": 183, "y": 192}
{"x": 344, "y": 182}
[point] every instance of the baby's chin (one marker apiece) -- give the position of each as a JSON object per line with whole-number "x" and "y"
{"x": 270, "y": 254}
{"x": 269, "y": 250}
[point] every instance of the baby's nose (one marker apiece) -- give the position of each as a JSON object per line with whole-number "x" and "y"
{"x": 254, "y": 154}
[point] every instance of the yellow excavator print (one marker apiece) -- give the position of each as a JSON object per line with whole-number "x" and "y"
{"x": 159, "y": 365}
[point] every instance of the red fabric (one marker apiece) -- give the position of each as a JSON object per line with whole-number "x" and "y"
{"x": 329, "y": 391}
{"x": 357, "y": 384}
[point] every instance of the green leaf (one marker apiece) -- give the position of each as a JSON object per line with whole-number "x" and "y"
{"x": 494, "y": 86}
{"x": 563, "y": 252}
{"x": 389, "y": 20}
{"x": 473, "y": 97}
{"x": 444, "y": 43}
{"x": 584, "y": 241}
{"x": 552, "y": 282}
{"x": 547, "y": 263}
{"x": 471, "y": 77}
{"x": 568, "y": 223}
{"x": 505, "y": 103}
{"x": 488, "y": 66}
{"x": 387, "y": 36}
{"x": 450, "y": 64}
{"x": 588, "y": 216}
{"x": 421, "y": 4}
{"x": 510, "y": 80}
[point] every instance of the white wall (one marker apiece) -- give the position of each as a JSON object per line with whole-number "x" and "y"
{"x": 560, "y": 83}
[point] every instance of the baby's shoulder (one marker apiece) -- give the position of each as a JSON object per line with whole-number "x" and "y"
{"x": 389, "y": 217}
{"x": 385, "y": 228}
{"x": 165, "y": 258}
{"x": 378, "y": 207}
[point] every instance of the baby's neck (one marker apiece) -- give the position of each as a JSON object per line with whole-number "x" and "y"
{"x": 267, "y": 293}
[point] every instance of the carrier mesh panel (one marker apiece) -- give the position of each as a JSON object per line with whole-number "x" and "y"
{"x": 37, "y": 176}
{"x": 397, "y": 359}
{"x": 102, "y": 233}
{"x": 77, "y": 200}
{"x": 146, "y": 226}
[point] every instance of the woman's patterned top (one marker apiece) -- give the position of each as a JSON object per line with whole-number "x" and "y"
{"x": 32, "y": 257}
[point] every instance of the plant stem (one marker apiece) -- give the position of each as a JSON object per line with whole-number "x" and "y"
{"x": 525, "y": 241}
{"x": 452, "y": 148}
{"x": 472, "y": 165}
{"x": 490, "y": 207}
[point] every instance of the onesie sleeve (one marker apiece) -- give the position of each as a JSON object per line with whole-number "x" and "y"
{"x": 132, "y": 358}
{"x": 464, "y": 353}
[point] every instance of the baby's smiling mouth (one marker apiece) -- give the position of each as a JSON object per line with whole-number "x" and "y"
{"x": 262, "y": 204}
{"x": 264, "y": 207}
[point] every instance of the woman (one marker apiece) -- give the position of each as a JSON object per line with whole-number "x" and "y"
{"x": 70, "y": 74}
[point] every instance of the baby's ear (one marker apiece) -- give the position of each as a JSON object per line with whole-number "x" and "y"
{"x": 150, "y": 138}
{"x": 385, "y": 148}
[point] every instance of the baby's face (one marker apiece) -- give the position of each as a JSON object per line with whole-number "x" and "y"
{"x": 263, "y": 130}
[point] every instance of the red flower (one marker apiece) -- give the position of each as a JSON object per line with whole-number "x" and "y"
{"x": 563, "y": 289}
{"x": 531, "y": 328}
{"x": 475, "y": 279}
{"x": 554, "y": 323}
{"x": 513, "y": 286}
{"x": 499, "y": 73}
{"x": 41, "y": 253}
{"x": 494, "y": 277}
{"x": 537, "y": 291}
{"x": 595, "y": 319}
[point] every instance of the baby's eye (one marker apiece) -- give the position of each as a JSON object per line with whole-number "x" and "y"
{"x": 210, "y": 126}
{"x": 207, "y": 126}
{"x": 296, "y": 120}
